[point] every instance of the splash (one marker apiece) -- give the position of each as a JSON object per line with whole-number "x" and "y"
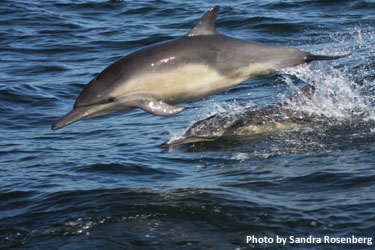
{"x": 232, "y": 107}
{"x": 347, "y": 87}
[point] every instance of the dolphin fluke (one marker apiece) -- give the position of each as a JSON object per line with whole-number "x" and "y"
{"x": 311, "y": 57}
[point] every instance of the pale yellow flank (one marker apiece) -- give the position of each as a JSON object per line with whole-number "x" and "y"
{"x": 186, "y": 83}
{"x": 265, "y": 128}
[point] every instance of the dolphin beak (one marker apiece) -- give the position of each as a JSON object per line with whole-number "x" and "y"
{"x": 75, "y": 115}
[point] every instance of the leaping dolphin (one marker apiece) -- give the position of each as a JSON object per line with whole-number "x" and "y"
{"x": 201, "y": 63}
{"x": 270, "y": 119}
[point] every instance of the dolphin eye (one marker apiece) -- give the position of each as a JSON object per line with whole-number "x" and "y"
{"x": 111, "y": 99}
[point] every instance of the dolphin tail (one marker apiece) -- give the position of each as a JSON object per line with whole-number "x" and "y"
{"x": 311, "y": 57}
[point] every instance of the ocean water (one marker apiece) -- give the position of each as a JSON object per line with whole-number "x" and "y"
{"x": 106, "y": 183}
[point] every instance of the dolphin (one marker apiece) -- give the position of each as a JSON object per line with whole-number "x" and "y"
{"x": 201, "y": 63}
{"x": 270, "y": 119}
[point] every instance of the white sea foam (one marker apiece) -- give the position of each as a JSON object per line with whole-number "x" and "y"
{"x": 344, "y": 87}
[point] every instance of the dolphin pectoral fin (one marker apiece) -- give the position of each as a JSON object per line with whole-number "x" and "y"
{"x": 158, "y": 107}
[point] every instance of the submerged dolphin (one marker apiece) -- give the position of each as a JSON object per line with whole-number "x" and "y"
{"x": 270, "y": 119}
{"x": 201, "y": 63}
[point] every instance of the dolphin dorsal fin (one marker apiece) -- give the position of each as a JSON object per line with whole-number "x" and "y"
{"x": 207, "y": 24}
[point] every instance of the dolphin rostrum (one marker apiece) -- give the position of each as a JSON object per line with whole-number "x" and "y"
{"x": 201, "y": 63}
{"x": 270, "y": 119}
